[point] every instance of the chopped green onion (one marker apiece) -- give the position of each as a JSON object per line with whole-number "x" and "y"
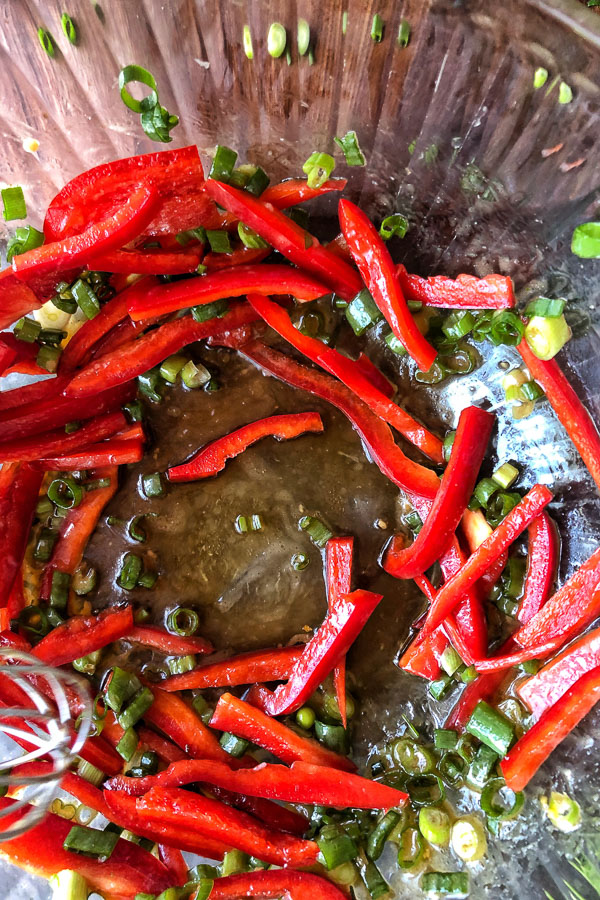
{"x": 223, "y": 163}
{"x": 305, "y": 717}
{"x": 152, "y": 485}
{"x": 482, "y": 765}
{"x": 530, "y": 666}
{"x": 244, "y": 524}
{"x": 194, "y": 375}
{"x": 59, "y": 591}
{"x": 92, "y": 774}
{"x": 13, "y": 202}
{"x": 133, "y": 73}
{"x": 395, "y": 344}
{"x": 300, "y": 561}
{"x": 69, "y": 885}
{"x": 51, "y": 336}
{"x": 513, "y": 710}
{"x": 87, "y": 664}
{"x": 434, "y": 825}
{"x": 380, "y": 833}
{"x": 335, "y": 847}
{"x": 247, "y": 41}
{"x": 549, "y": 308}
{"x": 90, "y": 842}
{"x": 377, "y": 28}
{"x": 500, "y": 505}
{"x": 393, "y": 226}
{"x": 540, "y": 77}
{"x": 506, "y": 328}
{"x": 433, "y": 375}
{"x": 135, "y": 709}
{"x": 257, "y": 182}
{"x": 448, "y": 444}
{"x": 171, "y": 367}
{"x": 46, "y": 41}
{"x": 303, "y": 36}
{"x": 276, "y": 40}
{"x": 468, "y": 674}
{"x": 425, "y": 790}
{"x": 26, "y": 238}
{"x": 121, "y": 687}
{"x": 127, "y": 744}
{"x": 233, "y": 745}
{"x": 180, "y": 664}
{"x": 450, "y": 661}
{"x": 234, "y": 862}
{"x": 65, "y": 492}
{"x": 48, "y": 357}
{"x": 445, "y": 739}
{"x": 451, "y": 768}
{"x": 318, "y": 532}
{"x": 411, "y": 849}
{"x": 491, "y": 727}
{"x": 440, "y": 687}
{"x": 219, "y": 241}
{"x": 374, "y": 881}
{"x": 484, "y": 490}
{"x": 562, "y": 810}
{"x": 506, "y": 475}
{"x": 27, "y": 330}
{"x": 585, "y": 241}
{"x": 183, "y": 621}
{"x": 157, "y": 123}
{"x": 45, "y": 544}
{"x": 87, "y": 301}
{"x": 514, "y": 576}
{"x": 467, "y": 839}
{"x": 332, "y": 736}
{"x": 362, "y": 312}
{"x": 404, "y": 33}
{"x": 345, "y": 21}
{"x": 531, "y": 391}
{"x": 44, "y": 508}
{"x": 545, "y": 337}
{"x": 565, "y": 93}
{"x": 68, "y": 28}
{"x": 318, "y": 167}
{"x": 131, "y": 569}
{"x": 458, "y": 324}
{"x": 482, "y": 326}
{"x": 135, "y": 531}
{"x": 454, "y": 884}
{"x": 250, "y": 238}
{"x": 207, "y": 311}
{"x": 332, "y": 709}
{"x": 350, "y": 148}
{"x": 499, "y": 802}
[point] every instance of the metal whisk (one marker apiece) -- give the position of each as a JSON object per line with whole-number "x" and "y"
{"x": 41, "y": 724}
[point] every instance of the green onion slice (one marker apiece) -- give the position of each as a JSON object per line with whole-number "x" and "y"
{"x": 393, "y": 226}
{"x": 68, "y": 28}
{"x": 351, "y": 150}
{"x": 499, "y": 802}
{"x": 183, "y": 621}
{"x": 318, "y": 167}
{"x": 454, "y": 884}
{"x": 247, "y": 41}
{"x": 404, "y": 33}
{"x": 223, "y": 163}
{"x": 434, "y": 825}
{"x": 131, "y": 569}
{"x": 131, "y": 74}
{"x": 335, "y": 846}
{"x": 303, "y": 36}
{"x": 91, "y": 842}
{"x": 491, "y": 727}
{"x": 276, "y": 40}
{"x": 65, "y": 492}
{"x": 26, "y": 238}
{"x": 316, "y": 529}
{"x": 13, "y": 201}
{"x": 411, "y": 848}
{"x": 377, "y": 28}
{"x": 585, "y": 241}
{"x": 46, "y": 41}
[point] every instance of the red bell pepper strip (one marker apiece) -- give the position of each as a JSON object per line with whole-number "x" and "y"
{"x": 266, "y": 811}
{"x": 462, "y": 292}
{"x": 175, "y": 175}
{"x": 81, "y": 635}
{"x": 331, "y": 642}
{"x": 77, "y": 528}
{"x": 16, "y": 299}
{"x": 241, "y": 256}
{"x": 375, "y": 376}
{"x": 377, "y": 269}
{"x": 237, "y": 282}
{"x": 240, "y": 718}
{"x": 518, "y": 656}
{"x": 303, "y": 783}
{"x": 296, "y": 190}
{"x": 78, "y": 350}
{"x": 56, "y": 410}
{"x": 166, "y": 749}
{"x": 282, "y": 234}
{"x": 149, "y": 262}
{"x": 175, "y": 863}
{"x": 8, "y": 353}
{"x": 213, "y": 457}
{"x": 19, "y": 491}
{"x": 283, "y": 883}
{"x": 110, "y": 453}
{"x": 423, "y": 656}
{"x": 179, "y": 722}
{"x": 129, "y": 871}
{"x": 547, "y": 686}
{"x": 202, "y": 817}
{"x": 569, "y": 611}
{"x": 508, "y": 531}
{"x": 483, "y": 688}
{"x": 536, "y": 745}
{"x": 38, "y": 446}
{"x": 456, "y": 489}
{"x": 375, "y": 433}
{"x": 154, "y": 636}
{"x": 352, "y": 376}
{"x": 246, "y": 668}
{"x": 18, "y": 356}
{"x": 137, "y": 356}
{"x": 338, "y": 574}
{"x": 339, "y": 247}
{"x": 110, "y": 234}
{"x": 31, "y": 393}
{"x": 72, "y": 783}
{"x": 542, "y": 561}
{"x": 568, "y": 407}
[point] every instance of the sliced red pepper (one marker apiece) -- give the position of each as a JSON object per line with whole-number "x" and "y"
{"x": 162, "y": 746}
{"x": 377, "y": 269}
{"x": 267, "y": 811}
{"x": 296, "y": 190}
{"x": 124, "y": 812}
{"x": 547, "y": 686}
{"x": 53, "y": 411}
{"x": 241, "y": 256}
{"x": 202, "y": 817}
{"x": 16, "y": 299}
{"x": 78, "y": 350}
{"x": 303, "y": 783}
{"x": 246, "y": 668}
{"x": 18, "y": 356}
{"x": 338, "y": 573}
{"x": 569, "y": 611}
{"x": 375, "y": 433}
{"x": 137, "y": 356}
{"x": 149, "y": 262}
{"x": 568, "y": 407}
{"x": 536, "y": 745}
{"x": 339, "y": 247}
{"x": 19, "y": 490}
{"x": 77, "y": 528}
{"x": 175, "y": 863}
{"x": 110, "y": 453}
{"x": 38, "y": 446}
{"x": 515, "y": 658}
{"x": 508, "y": 531}
{"x": 213, "y": 457}
{"x": 237, "y": 282}
{"x": 284, "y": 235}
{"x": 175, "y": 175}
{"x": 72, "y": 783}
{"x": 246, "y": 721}
{"x": 113, "y": 232}
{"x": 456, "y": 489}
{"x": 82, "y": 635}
{"x": 129, "y": 871}
{"x": 375, "y": 376}
{"x": 483, "y": 688}
{"x": 352, "y": 376}
{"x": 154, "y": 636}
{"x": 462, "y": 292}
{"x": 179, "y": 722}
{"x": 422, "y": 657}
{"x": 542, "y": 561}
{"x": 282, "y": 883}
{"x": 329, "y": 644}
{"x": 31, "y": 393}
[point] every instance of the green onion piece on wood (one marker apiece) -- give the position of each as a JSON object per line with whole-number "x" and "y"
{"x": 131, "y": 74}
{"x": 303, "y": 36}
{"x": 350, "y": 148}
{"x": 247, "y": 41}
{"x": 68, "y": 27}
{"x": 404, "y": 33}
{"x": 46, "y": 41}
{"x": 377, "y": 28}
{"x": 276, "y": 40}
